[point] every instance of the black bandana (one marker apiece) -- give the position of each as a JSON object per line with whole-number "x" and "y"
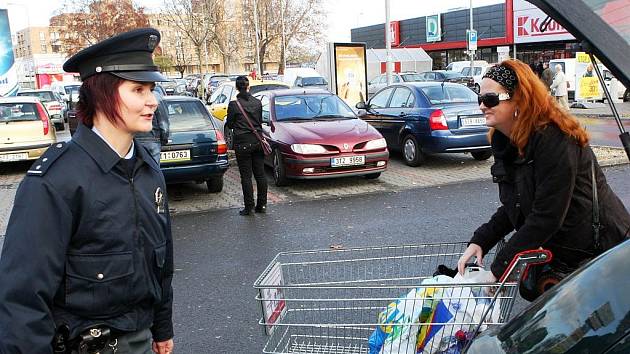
{"x": 505, "y": 76}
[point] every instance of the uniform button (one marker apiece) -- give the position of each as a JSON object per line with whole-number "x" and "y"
{"x": 45, "y": 159}
{"x": 60, "y": 145}
{"x": 100, "y": 276}
{"x": 38, "y": 167}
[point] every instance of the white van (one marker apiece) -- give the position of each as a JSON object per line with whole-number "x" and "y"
{"x": 64, "y": 88}
{"x": 477, "y": 74}
{"x": 458, "y": 66}
{"x": 304, "y": 77}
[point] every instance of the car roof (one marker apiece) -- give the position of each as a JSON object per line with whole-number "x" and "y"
{"x": 602, "y": 37}
{"x": 180, "y": 98}
{"x": 297, "y": 91}
{"x": 19, "y": 99}
{"x": 38, "y": 90}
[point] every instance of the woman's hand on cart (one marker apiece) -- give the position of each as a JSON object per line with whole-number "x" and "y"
{"x": 473, "y": 250}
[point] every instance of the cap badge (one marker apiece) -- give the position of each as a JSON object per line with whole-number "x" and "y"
{"x": 153, "y": 40}
{"x": 98, "y": 69}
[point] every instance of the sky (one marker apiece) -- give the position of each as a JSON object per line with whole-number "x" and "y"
{"x": 343, "y": 15}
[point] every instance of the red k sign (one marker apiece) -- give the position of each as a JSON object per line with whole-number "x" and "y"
{"x": 394, "y": 32}
{"x": 530, "y": 26}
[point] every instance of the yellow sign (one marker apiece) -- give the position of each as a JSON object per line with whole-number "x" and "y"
{"x": 589, "y": 87}
{"x": 582, "y": 57}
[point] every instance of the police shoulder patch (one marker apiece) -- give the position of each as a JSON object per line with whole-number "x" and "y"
{"x": 42, "y": 164}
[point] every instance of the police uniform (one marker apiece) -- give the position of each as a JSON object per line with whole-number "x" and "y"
{"x": 89, "y": 238}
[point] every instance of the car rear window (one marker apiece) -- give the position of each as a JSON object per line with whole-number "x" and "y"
{"x": 439, "y": 94}
{"x": 73, "y": 88}
{"x": 451, "y": 74}
{"x": 44, "y": 96}
{"x": 188, "y": 116}
{"x": 13, "y": 112}
{"x": 312, "y": 81}
{"x": 265, "y": 87}
{"x": 411, "y": 77}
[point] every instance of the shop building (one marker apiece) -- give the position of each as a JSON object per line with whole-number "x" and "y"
{"x": 512, "y": 27}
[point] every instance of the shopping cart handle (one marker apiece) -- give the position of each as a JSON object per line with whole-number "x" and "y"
{"x": 517, "y": 269}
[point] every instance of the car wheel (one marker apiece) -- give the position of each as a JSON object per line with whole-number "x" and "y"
{"x": 412, "y": 152}
{"x": 373, "y": 175}
{"x": 215, "y": 184}
{"x": 279, "y": 174}
{"x": 477, "y": 88}
{"x": 481, "y": 155}
{"x": 626, "y": 95}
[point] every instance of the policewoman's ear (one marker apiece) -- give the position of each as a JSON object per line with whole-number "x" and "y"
{"x": 128, "y": 55}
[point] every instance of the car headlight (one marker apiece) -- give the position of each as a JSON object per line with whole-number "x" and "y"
{"x": 306, "y": 149}
{"x": 375, "y": 144}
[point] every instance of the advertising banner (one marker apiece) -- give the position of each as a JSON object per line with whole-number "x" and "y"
{"x": 434, "y": 28}
{"x": 528, "y": 20}
{"x": 350, "y": 72}
{"x": 587, "y": 85}
{"x": 8, "y": 71}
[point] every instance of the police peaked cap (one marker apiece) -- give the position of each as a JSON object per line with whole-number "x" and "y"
{"x": 127, "y": 55}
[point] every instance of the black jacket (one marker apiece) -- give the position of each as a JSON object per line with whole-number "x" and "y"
{"x": 236, "y": 121}
{"x": 546, "y": 196}
{"x": 86, "y": 244}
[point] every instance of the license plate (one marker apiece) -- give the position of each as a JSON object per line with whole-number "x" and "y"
{"x": 466, "y": 122}
{"x": 177, "y": 155}
{"x": 14, "y": 157}
{"x": 347, "y": 161}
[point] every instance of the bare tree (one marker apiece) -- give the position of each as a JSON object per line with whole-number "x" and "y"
{"x": 193, "y": 19}
{"x": 302, "y": 19}
{"x": 86, "y": 22}
{"x": 224, "y": 39}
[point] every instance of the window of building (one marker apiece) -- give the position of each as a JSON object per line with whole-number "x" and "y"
{"x": 42, "y": 36}
{"x": 43, "y": 47}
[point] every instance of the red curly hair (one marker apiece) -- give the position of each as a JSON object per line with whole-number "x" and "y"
{"x": 537, "y": 109}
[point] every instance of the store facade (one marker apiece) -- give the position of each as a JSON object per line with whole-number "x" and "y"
{"x": 512, "y": 27}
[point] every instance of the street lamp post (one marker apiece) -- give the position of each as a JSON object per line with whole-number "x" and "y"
{"x": 388, "y": 45}
{"x": 284, "y": 43}
{"x": 472, "y": 52}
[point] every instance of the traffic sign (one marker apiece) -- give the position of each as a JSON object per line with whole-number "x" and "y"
{"x": 471, "y": 36}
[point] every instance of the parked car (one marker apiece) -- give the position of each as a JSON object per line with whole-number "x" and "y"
{"x": 174, "y": 87}
{"x": 314, "y": 134}
{"x": 458, "y": 66}
{"x": 380, "y": 81}
{"x": 196, "y": 150}
{"x": 54, "y": 104}
{"x": 65, "y": 89}
{"x": 25, "y": 129}
{"x": 304, "y": 77}
{"x": 428, "y": 117}
{"x": 448, "y": 76}
{"x": 226, "y": 92}
{"x": 477, "y": 73}
{"x": 213, "y": 82}
{"x": 589, "y": 311}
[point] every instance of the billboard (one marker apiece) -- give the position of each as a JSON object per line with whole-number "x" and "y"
{"x": 587, "y": 85}
{"x": 8, "y": 71}
{"x": 350, "y": 72}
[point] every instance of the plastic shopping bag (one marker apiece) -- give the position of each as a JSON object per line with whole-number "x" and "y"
{"x": 399, "y": 331}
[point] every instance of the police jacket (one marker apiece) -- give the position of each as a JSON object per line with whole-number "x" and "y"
{"x": 547, "y": 198}
{"x": 88, "y": 242}
{"x": 236, "y": 121}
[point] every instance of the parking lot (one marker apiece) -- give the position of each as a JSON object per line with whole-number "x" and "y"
{"x": 189, "y": 198}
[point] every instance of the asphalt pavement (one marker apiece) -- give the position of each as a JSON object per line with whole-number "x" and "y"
{"x": 220, "y": 254}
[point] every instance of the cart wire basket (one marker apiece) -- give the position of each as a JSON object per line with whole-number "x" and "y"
{"x": 331, "y": 301}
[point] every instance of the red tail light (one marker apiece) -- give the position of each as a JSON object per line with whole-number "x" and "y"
{"x": 437, "y": 120}
{"x": 43, "y": 116}
{"x": 222, "y": 146}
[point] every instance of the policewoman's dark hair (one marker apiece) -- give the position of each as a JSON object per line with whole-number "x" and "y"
{"x": 242, "y": 83}
{"x": 99, "y": 93}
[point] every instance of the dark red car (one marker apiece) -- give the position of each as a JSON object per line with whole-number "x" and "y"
{"x": 314, "y": 134}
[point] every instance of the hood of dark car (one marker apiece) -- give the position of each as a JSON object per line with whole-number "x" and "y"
{"x": 330, "y": 132}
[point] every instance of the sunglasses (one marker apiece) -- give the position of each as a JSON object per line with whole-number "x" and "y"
{"x": 492, "y": 99}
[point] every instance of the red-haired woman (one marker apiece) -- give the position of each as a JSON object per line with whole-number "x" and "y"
{"x": 543, "y": 166}
{"x": 88, "y": 253}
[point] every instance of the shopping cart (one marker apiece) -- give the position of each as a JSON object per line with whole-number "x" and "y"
{"x": 329, "y": 301}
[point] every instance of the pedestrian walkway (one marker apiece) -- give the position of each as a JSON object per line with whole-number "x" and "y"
{"x": 602, "y": 110}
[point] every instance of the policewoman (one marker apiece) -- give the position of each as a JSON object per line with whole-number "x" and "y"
{"x": 87, "y": 261}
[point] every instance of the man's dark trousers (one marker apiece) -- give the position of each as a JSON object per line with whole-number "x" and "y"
{"x": 249, "y": 162}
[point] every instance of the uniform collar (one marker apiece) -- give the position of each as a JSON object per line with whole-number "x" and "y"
{"x": 105, "y": 156}
{"x": 126, "y": 157}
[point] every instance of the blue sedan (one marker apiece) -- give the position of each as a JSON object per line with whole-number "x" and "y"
{"x": 196, "y": 150}
{"x": 428, "y": 117}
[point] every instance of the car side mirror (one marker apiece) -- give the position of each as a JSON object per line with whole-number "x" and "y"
{"x": 362, "y": 105}
{"x": 361, "y": 113}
